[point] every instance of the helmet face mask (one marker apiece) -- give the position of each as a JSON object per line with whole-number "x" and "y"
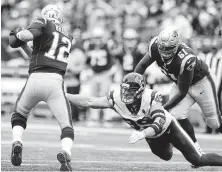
{"x": 52, "y": 12}
{"x": 168, "y": 43}
{"x": 132, "y": 88}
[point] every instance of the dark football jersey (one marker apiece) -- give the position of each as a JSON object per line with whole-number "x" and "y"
{"x": 129, "y": 60}
{"x": 51, "y": 48}
{"x": 99, "y": 57}
{"x": 185, "y": 58}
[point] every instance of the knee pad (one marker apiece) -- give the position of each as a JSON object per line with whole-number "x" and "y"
{"x": 212, "y": 122}
{"x": 18, "y": 119}
{"x": 67, "y": 132}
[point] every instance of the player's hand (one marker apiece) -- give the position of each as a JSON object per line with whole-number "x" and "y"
{"x": 135, "y": 136}
{"x": 16, "y": 30}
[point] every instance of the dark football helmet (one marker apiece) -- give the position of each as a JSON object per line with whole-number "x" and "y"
{"x": 132, "y": 87}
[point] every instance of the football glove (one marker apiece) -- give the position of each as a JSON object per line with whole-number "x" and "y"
{"x": 136, "y": 136}
{"x": 14, "y": 42}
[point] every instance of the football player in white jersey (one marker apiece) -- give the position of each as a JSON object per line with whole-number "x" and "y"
{"x": 142, "y": 109}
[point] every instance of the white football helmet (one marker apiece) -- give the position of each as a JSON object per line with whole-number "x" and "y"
{"x": 97, "y": 35}
{"x": 168, "y": 42}
{"x": 130, "y": 38}
{"x": 52, "y": 12}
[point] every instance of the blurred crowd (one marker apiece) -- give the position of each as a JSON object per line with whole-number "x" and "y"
{"x": 115, "y": 35}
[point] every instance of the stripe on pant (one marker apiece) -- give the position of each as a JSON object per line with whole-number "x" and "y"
{"x": 219, "y": 97}
{"x": 187, "y": 137}
{"x": 21, "y": 94}
{"x": 215, "y": 94}
{"x": 67, "y": 105}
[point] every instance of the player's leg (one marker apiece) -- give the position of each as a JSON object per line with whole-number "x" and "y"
{"x": 24, "y": 104}
{"x": 180, "y": 140}
{"x": 161, "y": 147}
{"x": 205, "y": 94}
{"x": 60, "y": 107}
{"x": 180, "y": 113}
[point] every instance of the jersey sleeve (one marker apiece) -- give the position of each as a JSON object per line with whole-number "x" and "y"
{"x": 36, "y": 26}
{"x": 188, "y": 64}
{"x": 150, "y": 46}
{"x": 110, "y": 97}
{"x": 157, "y": 112}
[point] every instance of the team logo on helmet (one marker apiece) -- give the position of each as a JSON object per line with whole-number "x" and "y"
{"x": 132, "y": 87}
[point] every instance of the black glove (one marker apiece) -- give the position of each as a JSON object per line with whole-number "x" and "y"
{"x": 14, "y": 42}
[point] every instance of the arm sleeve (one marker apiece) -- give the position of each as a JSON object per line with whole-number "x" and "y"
{"x": 184, "y": 81}
{"x": 146, "y": 61}
{"x": 36, "y": 27}
{"x": 110, "y": 97}
{"x": 157, "y": 113}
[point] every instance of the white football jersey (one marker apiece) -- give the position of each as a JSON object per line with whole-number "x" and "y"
{"x": 143, "y": 118}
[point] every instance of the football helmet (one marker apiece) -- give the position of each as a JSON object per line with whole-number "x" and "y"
{"x": 52, "y": 12}
{"x": 130, "y": 38}
{"x": 98, "y": 35}
{"x": 168, "y": 42}
{"x": 132, "y": 87}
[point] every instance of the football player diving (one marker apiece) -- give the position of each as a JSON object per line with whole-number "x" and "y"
{"x": 142, "y": 109}
{"x": 48, "y": 63}
{"x": 193, "y": 80}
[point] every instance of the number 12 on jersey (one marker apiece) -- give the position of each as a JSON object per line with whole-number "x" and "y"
{"x": 61, "y": 56}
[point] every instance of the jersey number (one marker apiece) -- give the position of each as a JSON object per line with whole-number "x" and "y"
{"x": 182, "y": 53}
{"x": 62, "y": 50}
{"x": 140, "y": 124}
{"x": 98, "y": 58}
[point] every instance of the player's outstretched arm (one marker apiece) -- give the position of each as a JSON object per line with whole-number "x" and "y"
{"x": 149, "y": 132}
{"x": 89, "y": 102}
{"x": 143, "y": 64}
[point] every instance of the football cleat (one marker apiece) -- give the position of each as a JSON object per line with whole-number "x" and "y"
{"x": 16, "y": 156}
{"x": 65, "y": 160}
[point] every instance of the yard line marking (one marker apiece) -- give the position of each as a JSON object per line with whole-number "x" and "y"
{"x": 34, "y": 128}
{"x": 110, "y": 162}
{"x": 35, "y": 164}
{"x": 98, "y": 147}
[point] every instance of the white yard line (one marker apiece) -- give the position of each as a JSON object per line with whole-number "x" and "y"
{"x": 103, "y": 162}
{"x": 34, "y": 164}
{"x": 40, "y": 128}
{"x": 96, "y": 147}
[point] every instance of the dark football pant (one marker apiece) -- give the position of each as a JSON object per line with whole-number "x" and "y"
{"x": 177, "y": 137}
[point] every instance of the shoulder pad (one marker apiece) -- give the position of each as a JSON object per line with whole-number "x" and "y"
{"x": 156, "y": 97}
{"x": 153, "y": 40}
{"x": 110, "y": 97}
{"x": 188, "y": 63}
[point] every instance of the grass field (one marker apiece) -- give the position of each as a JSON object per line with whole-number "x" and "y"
{"x": 95, "y": 149}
